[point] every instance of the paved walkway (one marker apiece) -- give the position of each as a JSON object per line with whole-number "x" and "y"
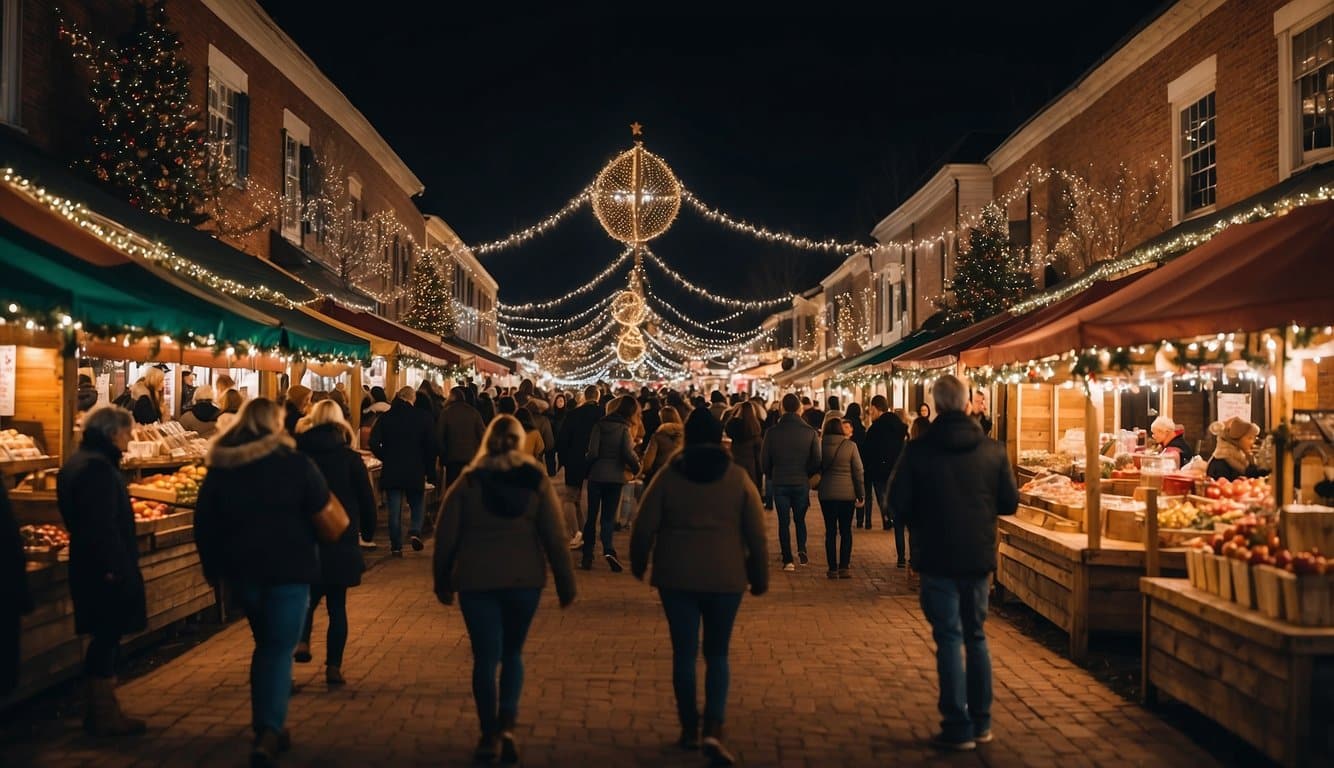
{"x": 823, "y": 673}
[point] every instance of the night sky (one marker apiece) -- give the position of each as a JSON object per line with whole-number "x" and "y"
{"x": 817, "y": 125}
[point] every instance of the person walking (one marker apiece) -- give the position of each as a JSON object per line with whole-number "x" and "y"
{"x": 702, "y": 528}
{"x": 922, "y": 423}
{"x": 572, "y": 452}
{"x": 883, "y": 445}
{"x": 789, "y": 456}
{"x": 538, "y": 408}
{"x": 744, "y": 430}
{"x": 949, "y": 487}
{"x": 842, "y": 489}
{"x": 105, "y": 583}
{"x": 326, "y": 437}
{"x": 611, "y": 461}
{"x": 500, "y": 527}
{"x": 667, "y": 439}
{"x": 853, "y": 416}
{"x": 532, "y": 436}
{"x": 459, "y": 432}
{"x": 255, "y": 526}
{"x": 402, "y": 438}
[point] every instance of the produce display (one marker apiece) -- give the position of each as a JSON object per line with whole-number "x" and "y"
{"x": 1198, "y": 515}
{"x": 181, "y": 488}
{"x": 1040, "y": 460}
{"x": 1250, "y": 537}
{"x": 44, "y": 537}
{"x": 149, "y": 510}
{"x": 1245, "y": 490}
{"x": 1056, "y": 489}
{"x": 16, "y": 446}
{"x": 165, "y": 440}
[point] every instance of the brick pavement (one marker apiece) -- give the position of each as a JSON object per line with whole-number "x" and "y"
{"x": 823, "y": 673}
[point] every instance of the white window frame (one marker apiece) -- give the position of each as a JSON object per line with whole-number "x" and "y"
{"x": 225, "y": 79}
{"x": 1196, "y": 83}
{"x": 297, "y": 134}
{"x": 1292, "y": 19}
{"x": 11, "y": 107}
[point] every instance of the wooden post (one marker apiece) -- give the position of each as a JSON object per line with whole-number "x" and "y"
{"x": 354, "y": 398}
{"x": 1165, "y": 397}
{"x": 1093, "y": 469}
{"x": 1151, "y": 568}
{"x": 1079, "y": 610}
{"x": 1148, "y": 692}
{"x": 68, "y": 388}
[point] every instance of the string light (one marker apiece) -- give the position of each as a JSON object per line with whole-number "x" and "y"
{"x": 512, "y": 309}
{"x": 636, "y": 196}
{"x": 540, "y": 228}
{"x": 719, "y": 217}
{"x": 710, "y": 295}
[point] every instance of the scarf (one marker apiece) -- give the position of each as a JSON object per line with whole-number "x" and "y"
{"x": 1232, "y": 453}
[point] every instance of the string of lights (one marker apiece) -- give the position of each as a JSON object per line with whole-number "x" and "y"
{"x": 509, "y": 310}
{"x": 762, "y": 233}
{"x": 680, "y": 280}
{"x": 540, "y": 228}
{"x": 551, "y": 323}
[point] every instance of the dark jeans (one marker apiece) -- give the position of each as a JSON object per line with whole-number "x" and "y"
{"x": 103, "y": 651}
{"x": 276, "y": 614}
{"x": 881, "y": 492}
{"x": 837, "y": 522}
{"x": 956, "y": 609}
{"x": 684, "y": 612}
{"x": 604, "y": 501}
{"x": 336, "y": 638}
{"x": 497, "y": 622}
{"x": 452, "y": 471}
{"x": 394, "y": 501}
{"x": 791, "y": 501}
{"x": 902, "y": 541}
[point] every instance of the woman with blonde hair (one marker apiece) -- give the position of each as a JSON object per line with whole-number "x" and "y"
{"x": 500, "y": 526}
{"x": 297, "y": 404}
{"x": 1234, "y": 456}
{"x": 667, "y": 439}
{"x": 326, "y": 437}
{"x": 147, "y": 396}
{"x": 231, "y": 401}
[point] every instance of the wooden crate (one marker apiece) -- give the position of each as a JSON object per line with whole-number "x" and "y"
{"x": 1195, "y": 568}
{"x": 1243, "y": 584}
{"x": 1225, "y": 578}
{"x": 1122, "y": 524}
{"x": 1210, "y": 563}
{"x": 1309, "y": 528}
{"x": 1268, "y": 590}
{"x": 1308, "y": 599}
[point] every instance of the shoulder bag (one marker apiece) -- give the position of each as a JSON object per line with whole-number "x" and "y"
{"x": 331, "y": 521}
{"x": 818, "y": 476}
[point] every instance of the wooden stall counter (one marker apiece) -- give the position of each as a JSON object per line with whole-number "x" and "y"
{"x": 1265, "y": 680}
{"x": 1080, "y": 589}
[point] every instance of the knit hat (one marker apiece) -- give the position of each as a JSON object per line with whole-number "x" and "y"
{"x": 703, "y": 428}
{"x": 1234, "y": 429}
{"x": 204, "y": 392}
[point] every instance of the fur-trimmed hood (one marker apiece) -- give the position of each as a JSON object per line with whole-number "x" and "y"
{"x": 1230, "y": 452}
{"x": 234, "y": 450}
{"x": 140, "y": 389}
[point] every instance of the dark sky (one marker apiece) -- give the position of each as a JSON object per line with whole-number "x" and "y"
{"x": 813, "y": 124}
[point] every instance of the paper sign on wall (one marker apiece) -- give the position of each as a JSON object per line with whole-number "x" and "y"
{"x": 103, "y": 388}
{"x": 1234, "y": 404}
{"x": 8, "y": 378}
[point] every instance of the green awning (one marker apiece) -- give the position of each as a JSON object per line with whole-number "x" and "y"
{"x": 308, "y": 336}
{"x": 888, "y": 352}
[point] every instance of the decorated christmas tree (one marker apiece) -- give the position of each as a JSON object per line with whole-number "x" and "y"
{"x": 147, "y": 143}
{"x": 991, "y": 273}
{"x": 432, "y": 310}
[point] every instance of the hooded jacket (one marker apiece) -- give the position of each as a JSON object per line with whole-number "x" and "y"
{"x": 666, "y": 441}
{"x": 404, "y": 439}
{"x": 701, "y": 525}
{"x": 253, "y": 517}
{"x": 949, "y": 487}
{"x": 459, "y": 430}
{"x": 882, "y": 446}
{"x": 500, "y": 526}
{"x": 1231, "y": 462}
{"x": 745, "y": 446}
{"x": 341, "y": 563}
{"x": 790, "y": 452}
{"x": 611, "y": 451}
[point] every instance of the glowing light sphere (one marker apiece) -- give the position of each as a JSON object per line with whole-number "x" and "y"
{"x": 636, "y": 197}
{"x": 628, "y": 308}
{"x": 630, "y": 346}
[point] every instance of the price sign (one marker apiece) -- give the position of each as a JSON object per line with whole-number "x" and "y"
{"x": 8, "y": 378}
{"x": 1233, "y": 404}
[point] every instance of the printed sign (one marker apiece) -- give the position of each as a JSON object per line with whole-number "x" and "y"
{"x": 8, "y": 378}
{"x": 1233, "y": 404}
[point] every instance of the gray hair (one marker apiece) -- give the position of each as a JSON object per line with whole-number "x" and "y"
{"x": 950, "y": 394}
{"x": 1162, "y": 422}
{"x": 107, "y": 421}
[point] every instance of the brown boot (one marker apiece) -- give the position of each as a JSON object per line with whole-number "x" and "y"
{"x": 104, "y": 716}
{"x": 712, "y": 744}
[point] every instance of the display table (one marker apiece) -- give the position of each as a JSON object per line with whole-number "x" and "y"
{"x": 1265, "y": 680}
{"x": 1079, "y": 589}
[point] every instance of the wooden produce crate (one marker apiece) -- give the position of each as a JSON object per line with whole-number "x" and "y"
{"x": 1195, "y": 568}
{"x": 185, "y": 517}
{"x": 1243, "y": 583}
{"x": 153, "y": 494}
{"x": 1309, "y": 528}
{"x": 1269, "y": 590}
{"x": 1122, "y": 524}
{"x": 1308, "y": 599}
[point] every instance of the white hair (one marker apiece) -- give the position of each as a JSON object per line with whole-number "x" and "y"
{"x": 1164, "y": 423}
{"x": 949, "y": 393}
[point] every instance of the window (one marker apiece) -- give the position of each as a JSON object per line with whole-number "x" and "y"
{"x": 1199, "y": 170}
{"x": 295, "y": 175}
{"x": 1305, "y": 32}
{"x": 11, "y": 33}
{"x": 228, "y": 115}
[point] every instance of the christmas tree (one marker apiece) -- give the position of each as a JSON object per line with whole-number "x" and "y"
{"x": 991, "y": 274}
{"x": 431, "y": 311}
{"x": 148, "y": 144}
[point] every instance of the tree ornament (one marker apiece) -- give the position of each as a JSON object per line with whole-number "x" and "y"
{"x": 636, "y": 196}
{"x": 628, "y": 308}
{"x": 630, "y": 346}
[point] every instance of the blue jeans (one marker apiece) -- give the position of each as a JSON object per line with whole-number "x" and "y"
{"x": 684, "y": 611}
{"x": 497, "y": 622}
{"x": 791, "y": 501}
{"x": 604, "y": 502}
{"x": 276, "y": 615}
{"x": 956, "y": 609}
{"x": 394, "y": 502}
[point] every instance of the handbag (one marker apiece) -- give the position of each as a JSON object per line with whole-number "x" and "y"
{"x": 331, "y": 521}
{"x": 815, "y": 479}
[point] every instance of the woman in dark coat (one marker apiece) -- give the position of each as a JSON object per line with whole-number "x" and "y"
{"x": 146, "y": 396}
{"x": 326, "y": 438}
{"x": 853, "y": 416}
{"x": 743, "y": 427}
{"x": 15, "y": 601}
{"x": 104, "y": 578}
{"x": 297, "y": 405}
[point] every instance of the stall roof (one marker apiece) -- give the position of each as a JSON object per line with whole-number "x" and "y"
{"x": 485, "y": 360}
{"x": 945, "y": 350}
{"x": 886, "y": 353}
{"x": 388, "y": 329}
{"x": 1250, "y": 277}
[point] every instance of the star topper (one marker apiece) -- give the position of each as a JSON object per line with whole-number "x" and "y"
{"x": 636, "y": 129}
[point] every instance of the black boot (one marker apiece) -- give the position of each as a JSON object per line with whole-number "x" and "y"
{"x": 488, "y": 748}
{"x": 509, "y": 748}
{"x": 689, "y": 731}
{"x": 712, "y": 744}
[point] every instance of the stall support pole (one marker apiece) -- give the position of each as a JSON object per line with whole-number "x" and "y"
{"x": 68, "y": 385}
{"x": 354, "y": 398}
{"x": 1093, "y": 469}
{"x": 1151, "y": 568}
{"x": 1166, "y": 397}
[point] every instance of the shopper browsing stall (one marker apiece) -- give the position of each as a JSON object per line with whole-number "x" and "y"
{"x": 1234, "y": 456}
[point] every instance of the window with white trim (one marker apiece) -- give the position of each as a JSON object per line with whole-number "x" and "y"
{"x": 1194, "y": 140}
{"x": 296, "y": 174}
{"x": 228, "y": 115}
{"x": 11, "y": 36}
{"x": 1305, "y": 32}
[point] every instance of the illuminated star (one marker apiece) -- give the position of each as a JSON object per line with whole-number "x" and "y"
{"x": 636, "y": 129}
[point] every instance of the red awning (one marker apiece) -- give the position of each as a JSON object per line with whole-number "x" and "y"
{"x": 1249, "y": 277}
{"x": 388, "y": 329}
{"x": 945, "y": 350}
{"x": 978, "y": 352}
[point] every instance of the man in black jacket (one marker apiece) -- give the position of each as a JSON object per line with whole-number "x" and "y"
{"x": 404, "y": 439}
{"x": 880, "y": 452}
{"x": 571, "y": 449}
{"x": 949, "y": 488}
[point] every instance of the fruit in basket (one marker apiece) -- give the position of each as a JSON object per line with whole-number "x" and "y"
{"x": 48, "y": 535}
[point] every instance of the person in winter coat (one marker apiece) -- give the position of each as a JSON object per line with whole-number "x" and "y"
{"x": 853, "y": 416}
{"x": 486, "y": 405}
{"x": 572, "y": 452}
{"x": 426, "y": 401}
{"x": 500, "y": 527}
{"x": 666, "y": 441}
{"x": 920, "y": 424}
{"x": 1171, "y": 437}
{"x": 146, "y": 396}
{"x": 651, "y": 419}
{"x": 702, "y": 528}
{"x": 532, "y": 436}
{"x": 881, "y": 450}
{"x": 202, "y": 417}
{"x": 15, "y": 600}
{"x": 86, "y": 395}
{"x": 842, "y": 489}
{"x": 949, "y": 488}
{"x": 295, "y": 406}
{"x": 834, "y": 408}
{"x": 611, "y": 455}
{"x": 254, "y": 526}
{"x": 326, "y": 438}
{"x": 560, "y": 408}
{"x": 231, "y": 408}
{"x": 459, "y": 432}
{"x": 537, "y": 409}
{"x": 403, "y": 438}
{"x": 104, "y": 578}
{"x": 789, "y": 455}
{"x": 1234, "y": 455}
{"x": 744, "y": 430}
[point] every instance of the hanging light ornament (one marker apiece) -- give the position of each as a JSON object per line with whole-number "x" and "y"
{"x": 636, "y": 197}
{"x": 628, "y": 308}
{"x": 630, "y": 346}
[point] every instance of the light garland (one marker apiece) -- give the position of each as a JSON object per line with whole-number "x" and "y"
{"x": 762, "y": 233}
{"x": 540, "y": 228}
{"x": 509, "y": 310}
{"x": 707, "y": 294}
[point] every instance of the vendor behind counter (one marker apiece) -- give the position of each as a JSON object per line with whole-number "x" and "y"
{"x": 1171, "y": 436}
{"x": 1234, "y": 456}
